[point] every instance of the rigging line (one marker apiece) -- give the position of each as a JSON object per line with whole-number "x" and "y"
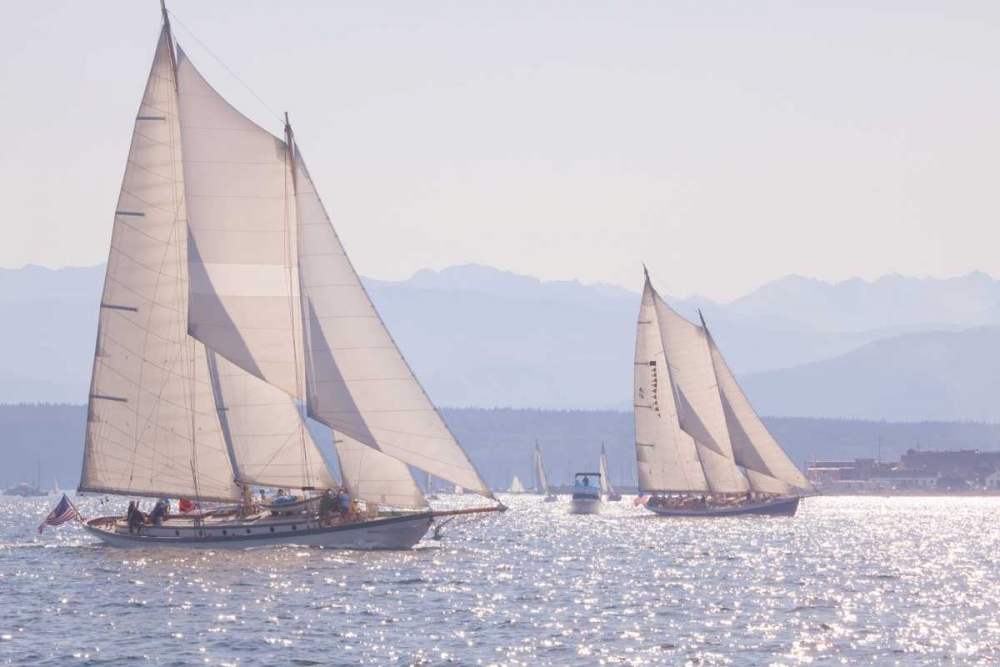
{"x": 224, "y": 65}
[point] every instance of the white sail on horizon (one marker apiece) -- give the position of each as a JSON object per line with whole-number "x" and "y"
{"x": 152, "y": 427}
{"x": 540, "y": 476}
{"x": 606, "y": 486}
{"x": 515, "y": 485}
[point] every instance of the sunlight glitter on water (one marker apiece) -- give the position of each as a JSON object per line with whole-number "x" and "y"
{"x": 852, "y": 581}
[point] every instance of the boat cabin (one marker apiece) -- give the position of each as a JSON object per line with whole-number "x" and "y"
{"x": 587, "y": 485}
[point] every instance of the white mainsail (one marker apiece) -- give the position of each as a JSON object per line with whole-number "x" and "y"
{"x": 152, "y": 427}
{"x": 244, "y": 301}
{"x": 606, "y": 487}
{"x": 373, "y": 477}
{"x": 271, "y": 444}
{"x": 696, "y": 395}
{"x": 540, "y": 476}
{"x": 768, "y": 467}
{"x": 666, "y": 457}
{"x": 516, "y": 486}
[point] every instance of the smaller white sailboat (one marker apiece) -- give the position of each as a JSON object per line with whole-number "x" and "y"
{"x": 516, "y": 486}
{"x": 606, "y": 488}
{"x": 541, "y": 479}
{"x": 429, "y": 488}
{"x": 701, "y": 449}
{"x": 586, "y": 493}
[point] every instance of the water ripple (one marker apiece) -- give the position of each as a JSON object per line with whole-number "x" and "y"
{"x": 849, "y": 581}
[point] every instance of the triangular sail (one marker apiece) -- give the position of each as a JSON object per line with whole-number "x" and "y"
{"x": 516, "y": 486}
{"x": 373, "y": 477}
{"x": 606, "y": 486}
{"x": 358, "y": 382}
{"x": 695, "y": 392}
{"x": 768, "y": 467}
{"x": 666, "y": 457}
{"x": 244, "y": 301}
{"x": 152, "y": 427}
{"x": 540, "y": 476}
{"x": 271, "y": 444}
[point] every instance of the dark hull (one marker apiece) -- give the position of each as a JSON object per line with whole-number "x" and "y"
{"x": 775, "y": 507}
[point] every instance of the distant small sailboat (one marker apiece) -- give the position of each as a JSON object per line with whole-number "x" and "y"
{"x": 515, "y": 485}
{"x": 28, "y": 489}
{"x": 230, "y": 312}
{"x": 586, "y": 493}
{"x": 541, "y": 479}
{"x": 606, "y": 488}
{"x": 701, "y": 450}
{"x": 429, "y": 488}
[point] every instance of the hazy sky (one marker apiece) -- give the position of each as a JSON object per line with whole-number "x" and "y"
{"x": 722, "y": 143}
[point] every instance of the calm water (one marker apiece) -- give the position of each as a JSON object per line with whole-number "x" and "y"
{"x": 853, "y": 581}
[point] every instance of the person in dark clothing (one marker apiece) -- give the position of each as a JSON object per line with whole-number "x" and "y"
{"x": 158, "y": 514}
{"x": 327, "y": 505}
{"x": 135, "y": 518}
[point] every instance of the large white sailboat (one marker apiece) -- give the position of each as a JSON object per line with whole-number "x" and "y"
{"x": 541, "y": 479}
{"x": 701, "y": 449}
{"x": 230, "y": 312}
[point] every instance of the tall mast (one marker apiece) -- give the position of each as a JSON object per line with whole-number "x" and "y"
{"x": 170, "y": 39}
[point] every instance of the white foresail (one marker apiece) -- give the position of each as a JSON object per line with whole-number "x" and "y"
{"x": 606, "y": 486}
{"x": 358, "y": 382}
{"x": 271, "y": 444}
{"x": 666, "y": 457}
{"x": 516, "y": 486}
{"x": 696, "y": 394}
{"x": 244, "y": 299}
{"x": 152, "y": 427}
{"x": 754, "y": 448}
{"x": 373, "y": 477}
{"x": 542, "y": 478}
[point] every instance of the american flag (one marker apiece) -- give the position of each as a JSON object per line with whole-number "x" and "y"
{"x": 63, "y": 512}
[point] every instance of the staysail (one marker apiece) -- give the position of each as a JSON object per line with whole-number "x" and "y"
{"x": 372, "y": 476}
{"x": 152, "y": 428}
{"x": 358, "y": 382}
{"x": 271, "y": 444}
{"x": 768, "y": 467}
{"x": 666, "y": 457}
{"x": 540, "y": 477}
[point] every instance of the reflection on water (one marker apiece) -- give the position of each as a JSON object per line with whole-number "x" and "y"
{"x": 853, "y": 581}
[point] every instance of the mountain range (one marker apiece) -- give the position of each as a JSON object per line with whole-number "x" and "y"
{"x": 895, "y": 348}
